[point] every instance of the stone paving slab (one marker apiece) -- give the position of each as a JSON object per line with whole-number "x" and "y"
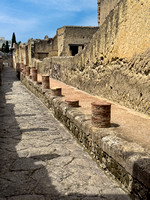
{"x": 113, "y": 150}
{"x": 39, "y": 158}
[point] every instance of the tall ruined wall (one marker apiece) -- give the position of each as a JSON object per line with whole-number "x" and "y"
{"x": 104, "y": 8}
{"x": 124, "y": 33}
{"x": 15, "y": 55}
{"x": 30, "y": 51}
{"x": 116, "y": 63}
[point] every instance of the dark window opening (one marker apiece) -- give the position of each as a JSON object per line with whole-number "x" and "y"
{"x": 73, "y": 50}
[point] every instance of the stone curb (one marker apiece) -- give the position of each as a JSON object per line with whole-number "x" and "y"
{"x": 127, "y": 161}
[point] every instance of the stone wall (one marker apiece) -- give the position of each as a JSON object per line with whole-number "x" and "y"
{"x": 75, "y": 35}
{"x": 104, "y": 8}
{"x": 54, "y": 47}
{"x": 116, "y": 63}
{"x": 45, "y": 48}
{"x": 127, "y": 83}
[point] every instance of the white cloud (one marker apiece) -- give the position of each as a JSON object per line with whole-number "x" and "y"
{"x": 21, "y": 24}
{"x": 35, "y": 18}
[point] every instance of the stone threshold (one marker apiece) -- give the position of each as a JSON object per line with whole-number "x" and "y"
{"x": 127, "y": 161}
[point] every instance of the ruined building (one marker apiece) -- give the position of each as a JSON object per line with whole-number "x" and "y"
{"x": 111, "y": 61}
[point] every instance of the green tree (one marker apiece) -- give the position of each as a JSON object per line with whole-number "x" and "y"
{"x": 13, "y": 39}
{"x": 19, "y": 42}
{"x": 6, "y": 47}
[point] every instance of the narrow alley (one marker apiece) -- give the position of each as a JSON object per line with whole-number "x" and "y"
{"x": 39, "y": 158}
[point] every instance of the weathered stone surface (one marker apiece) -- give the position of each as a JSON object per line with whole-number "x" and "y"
{"x": 41, "y": 160}
{"x": 112, "y": 153}
{"x": 27, "y": 197}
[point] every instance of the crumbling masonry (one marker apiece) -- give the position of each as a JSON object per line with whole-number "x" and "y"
{"x": 111, "y": 61}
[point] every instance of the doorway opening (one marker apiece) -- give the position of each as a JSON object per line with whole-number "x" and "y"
{"x": 73, "y": 50}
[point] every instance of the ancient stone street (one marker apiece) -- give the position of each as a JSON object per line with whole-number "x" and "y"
{"x": 39, "y": 158}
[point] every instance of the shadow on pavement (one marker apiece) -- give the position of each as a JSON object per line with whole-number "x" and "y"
{"x": 26, "y": 178}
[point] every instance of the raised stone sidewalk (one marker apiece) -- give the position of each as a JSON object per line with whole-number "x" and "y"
{"x": 39, "y": 158}
{"x": 122, "y": 149}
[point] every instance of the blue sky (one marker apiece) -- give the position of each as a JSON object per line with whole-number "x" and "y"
{"x": 37, "y": 18}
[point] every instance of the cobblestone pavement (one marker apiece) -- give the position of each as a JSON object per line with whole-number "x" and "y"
{"x": 39, "y": 158}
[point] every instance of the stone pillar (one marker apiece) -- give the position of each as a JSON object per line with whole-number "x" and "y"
{"x": 101, "y": 112}
{"x": 24, "y": 69}
{"x": 39, "y": 79}
{"x": 27, "y": 70}
{"x": 34, "y": 74}
{"x": 45, "y": 81}
{"x": 72, "y": 102}
{"x": 56, "y": 91}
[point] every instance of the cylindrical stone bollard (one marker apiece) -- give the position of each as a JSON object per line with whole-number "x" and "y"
{"x": 56, "y": 91}
{"x": 72, "y": 102}
{"x": 101, "y": 114}
{"x": 34, "y": 74}
{"x": 27, "y": 70}
{"x": 45, "y": 82}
